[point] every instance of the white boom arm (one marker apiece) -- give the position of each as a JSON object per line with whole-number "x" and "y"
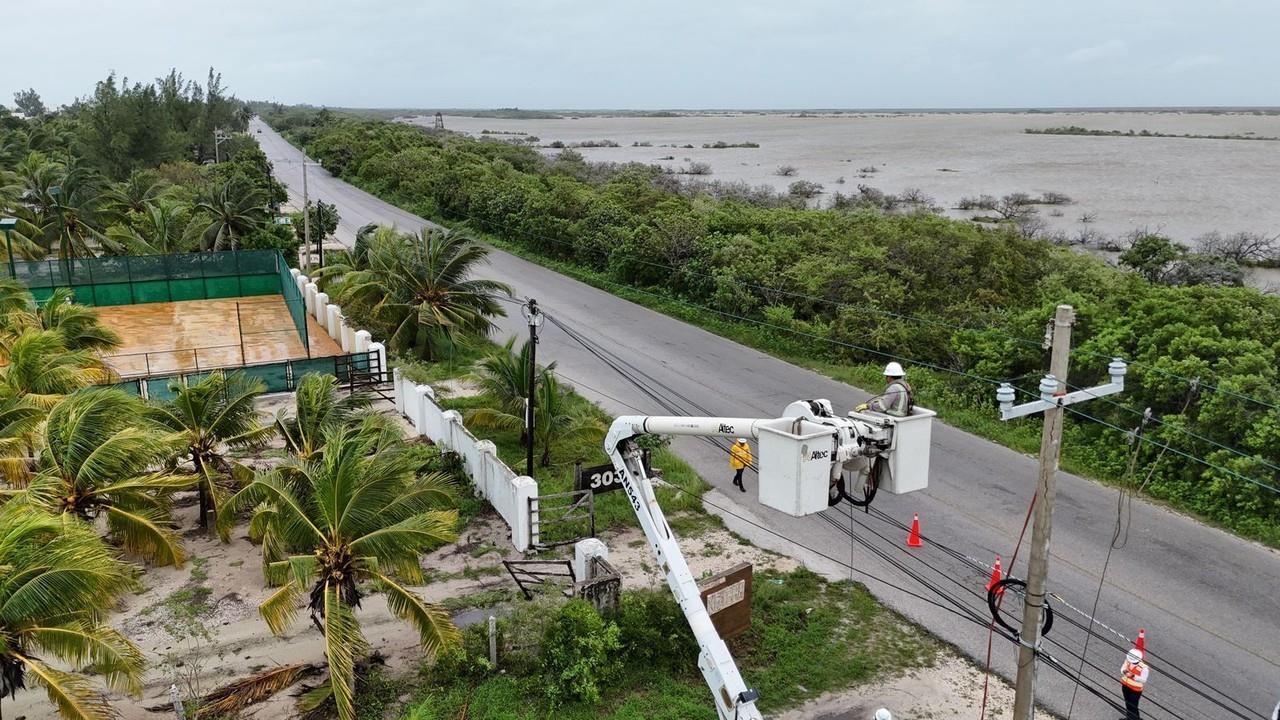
{"x": 819, "y": 445}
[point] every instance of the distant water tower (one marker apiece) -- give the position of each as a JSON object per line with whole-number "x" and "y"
{"x": 439, "y": 121}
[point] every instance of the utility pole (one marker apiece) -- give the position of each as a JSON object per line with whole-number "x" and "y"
{"x": 1053, "y": 398}
{"x": 534, "y": 317}
{"x": 306, "y": 218}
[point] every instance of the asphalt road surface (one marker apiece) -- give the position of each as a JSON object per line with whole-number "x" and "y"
{"x": 1210, "y": 602}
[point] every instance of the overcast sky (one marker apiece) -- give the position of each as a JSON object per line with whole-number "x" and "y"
{"x": 663, "y": 53}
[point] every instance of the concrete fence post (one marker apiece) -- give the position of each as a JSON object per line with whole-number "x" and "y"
{"x": 524, "y": 489}
{"x": 483, "y": 481}
{"x": 363, "y": 339}
{"x": 425, "y": 398}
{"x": 309, "y": 296}
{"x": 583, "y": 552}
{"x": 397, "y": 383}
{"x": 302, "y": 281}
{"x": 344, "y": 335}
{"x": 321, "y": 311}
{"x": 332, "y": 324}
{"x": 381, "y": 351}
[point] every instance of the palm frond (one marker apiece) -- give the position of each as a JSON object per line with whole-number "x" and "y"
{"x": 233, "y": 697}
{"x": 71, "y": 694}
{"x": 436, "y": 630}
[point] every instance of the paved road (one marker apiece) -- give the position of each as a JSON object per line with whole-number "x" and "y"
{"x": 1209, "y": 601}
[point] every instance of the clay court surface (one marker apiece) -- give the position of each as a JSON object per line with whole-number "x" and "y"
{"x": 203, "y": 334}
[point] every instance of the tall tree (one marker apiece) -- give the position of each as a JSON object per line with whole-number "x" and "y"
{"x": 364, "y": 518}
{"x": 98, "y": 460}
{"x": 216, "y": 413}
{"x": 318, "y": 406}
{"x": 231, "y": 211}
{"x": 420, "y": 289}
{"x": 60, "y": 581}
{"x": 29, "y": 102}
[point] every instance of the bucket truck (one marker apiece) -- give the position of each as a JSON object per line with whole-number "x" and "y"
{"x": 809, "y": 459}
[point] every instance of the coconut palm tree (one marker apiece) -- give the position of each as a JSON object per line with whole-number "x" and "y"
{"x": 360, "y": 527}
{"x": 41, "y": 368}
{"x": 98, "y": 460}
{"x": 59, "y": 581}
{"x": 555, "y": 417}
{"x": 76, "y": 324}
{"x": 215, "y": 413}
{"x": 160, "y": 229}
{"x": 318, "y": 406}
{"x": 229, "y": 212}
{"x": 420, "y": 289}
{"x": 133, "y": 196}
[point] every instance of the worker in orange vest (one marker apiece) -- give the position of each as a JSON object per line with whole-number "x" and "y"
{"x": 739, "y": 459}
{"x": 1133, "y": 678}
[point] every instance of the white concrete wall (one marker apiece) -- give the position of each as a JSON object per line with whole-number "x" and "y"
{"x": 506, "y": 491}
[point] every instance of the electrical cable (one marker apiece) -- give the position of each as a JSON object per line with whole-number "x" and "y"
{"x": 671, "y": 407}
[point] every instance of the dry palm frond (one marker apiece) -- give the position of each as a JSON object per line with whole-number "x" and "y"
{"x": 236, "y": 696}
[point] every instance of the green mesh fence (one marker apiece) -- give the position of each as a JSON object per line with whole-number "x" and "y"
{"x": 137, "y": 279}
{"x": 280, "y": 376}
{"x": 297, "y": 304}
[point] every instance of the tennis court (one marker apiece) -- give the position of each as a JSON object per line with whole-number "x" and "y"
{"x": 193, "y": 335}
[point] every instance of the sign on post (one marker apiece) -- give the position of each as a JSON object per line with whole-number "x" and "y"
{"x": 598, "y": 479}
{"x": 727, "y": 597}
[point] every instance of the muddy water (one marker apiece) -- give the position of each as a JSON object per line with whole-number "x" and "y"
{"x": 1181, "y": 187}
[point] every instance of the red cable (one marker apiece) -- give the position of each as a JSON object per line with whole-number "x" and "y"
{"x": 986, "y": 679}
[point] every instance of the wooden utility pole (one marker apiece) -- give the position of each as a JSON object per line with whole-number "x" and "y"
{"x": 534, "y": 317}
{"x": 1054, "y": 397}
{"x": 1038, "y": 567}
{"x": 306, "y": 218}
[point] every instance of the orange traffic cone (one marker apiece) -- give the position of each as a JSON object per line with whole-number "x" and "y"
{"x": 996, "y": 575}
{"x": 913, "y": 540}
{"x": 1141, "y": 642}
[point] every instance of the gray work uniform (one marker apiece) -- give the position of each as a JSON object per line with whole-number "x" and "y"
{"x": 894, "y": 400}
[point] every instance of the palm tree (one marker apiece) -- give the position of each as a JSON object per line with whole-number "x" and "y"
{"x": 76, "y": 324}
{"x": 134, "y": 196}
{"x": 365, "y": 518}
{"x": 215, "y": 413}
{"x": 229, "y": 212}
{"x": 319, "y": 406}
{"x": 60, "y": 580}
{"x": 555, "y": 417}
{"x": 72, "y": 226}
{"x": 504, "y": 375}
{"x": 420, "y": 290}
{"x": 41, "y": 368}
{"x": 96, "y": 460}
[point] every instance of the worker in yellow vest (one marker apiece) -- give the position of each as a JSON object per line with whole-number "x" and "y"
{"x": 739, "y": 459}
{"x": 1133, "y": 678}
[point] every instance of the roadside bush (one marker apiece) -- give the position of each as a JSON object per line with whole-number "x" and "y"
{"x": 655, "y": 632}
{"x": 580, "y": 653}
{"x": 786, "y": 170}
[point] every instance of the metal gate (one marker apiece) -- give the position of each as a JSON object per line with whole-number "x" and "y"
{"x": 561, "y": 518}
{"x": 362, "y": 371}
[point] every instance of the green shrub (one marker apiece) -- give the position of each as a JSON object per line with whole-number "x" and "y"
{"x": 655, "y": 632}
{"x": 580, "y": 653}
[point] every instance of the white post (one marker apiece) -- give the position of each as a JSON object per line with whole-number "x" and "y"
{"x": 322, "y": 307}
{"x": 493, "y": 641}
{"x": 425, "y": 398}
{"x": 333, "y": 322}
{"x": 301, "y": 281}
{"x": 583, "y": 552}
{"x": 381, "y": 351}
{"x": 480, "y": 478}
{"x": 294, "y": 272}
{"x": 175, "y": 698}
{"x": 348, "y": 336}
{"x": 344, "y": 334}
{"x": 524, "y": 489}
{"x": 363, "y": 338}
{"x": 398, "y": 384}
{"x": 309, "y": 293}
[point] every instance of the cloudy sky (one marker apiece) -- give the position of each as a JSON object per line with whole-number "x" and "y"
{"x": 663, "y": 53}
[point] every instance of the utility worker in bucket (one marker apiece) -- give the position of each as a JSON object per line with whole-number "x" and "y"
{"x": 1133, "y": 678}
{"x": 896, "y": 400}
{"x": 739, "y": 459}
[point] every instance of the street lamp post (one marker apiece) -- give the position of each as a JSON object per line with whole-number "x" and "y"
{"x": 7, "y": 225}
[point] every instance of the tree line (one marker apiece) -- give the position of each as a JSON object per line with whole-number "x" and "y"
{"x": 910, "y": 283}
{"x": 140, "y": 168}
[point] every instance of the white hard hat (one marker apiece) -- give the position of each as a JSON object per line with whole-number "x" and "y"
{"x": 742, "y": 440}
{"x": 1134, "y": 656}
{"x": 893, "y": 369}
{"x": 883, "y": 714}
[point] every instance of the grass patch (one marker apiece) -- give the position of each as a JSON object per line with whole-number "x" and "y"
{"x": 809, "y": 636}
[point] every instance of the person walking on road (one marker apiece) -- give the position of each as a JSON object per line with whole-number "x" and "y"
{"x": 739, "y": 459}
{"x": 897, "y": 399}
{"x": 1133, "y": 678}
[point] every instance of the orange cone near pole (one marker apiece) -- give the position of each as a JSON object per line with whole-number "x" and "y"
{"x": 913, "y": 540}
{"x": 996, "y": 574}
{"x": 1141, "y": 642}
